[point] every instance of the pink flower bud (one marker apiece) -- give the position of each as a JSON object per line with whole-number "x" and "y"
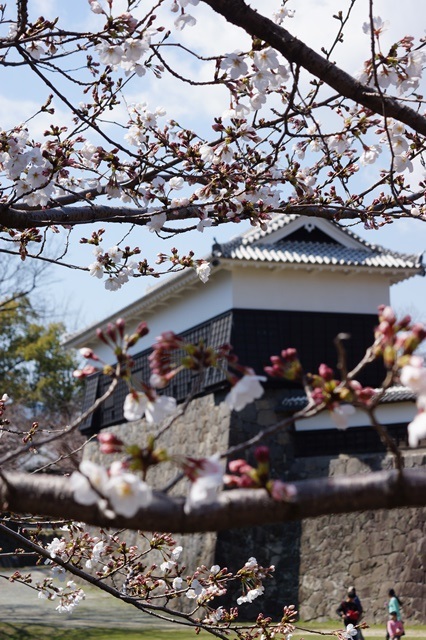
{"x": 142, "y": 329}
{"x": 262, "y": 454}
{"x": 88, "y": 354}
{"x": 83, "y": 373}
{"x": 325, "y": 372}
{"x": 121, "y": 325}
{"x": 388, "y": 315}
{"x": 235, "y": 466}
{"x": 109, "y": 438}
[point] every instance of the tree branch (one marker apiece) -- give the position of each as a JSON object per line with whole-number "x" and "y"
{"x": 51, "y": 496}
{"x": 70, "y": 215}
{"x": 239, "y": 13}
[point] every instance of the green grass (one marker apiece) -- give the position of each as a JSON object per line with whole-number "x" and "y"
{"x": 11, "y": 631}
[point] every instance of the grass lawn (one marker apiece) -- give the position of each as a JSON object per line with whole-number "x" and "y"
{"x": 10, "y": 631}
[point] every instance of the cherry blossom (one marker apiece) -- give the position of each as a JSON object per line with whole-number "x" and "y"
{"x": 87, "y": 484}
{"x": 207, "y": 479}
{"x": 251, "y": 595}
{"x": 176, "y": 183}
{"x": 135, "y": 404}
{"x": 413, "y": 375}
{"x": 235, "y": 64}
{"x": 351, "y": 632}
{"x": 370, "y": 155}
{"x": 177, "y": 583}
{"x": 247, "y": 389}
{"x": 203, "y": 271}
{"x": 126, "y": 494}
{"x": 379, "y": 26}
{"x": 57, "y": 548}
{"x": 340, "y": 415}
{"x": 184, "y": 20}
{"x": 160, "y": 409}
{"x": 157, "y": 221}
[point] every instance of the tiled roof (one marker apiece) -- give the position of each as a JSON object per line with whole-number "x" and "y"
{"x": 298, "y": 400}
{"x": 317, "y": 253}
{"x": 346, "y": 249}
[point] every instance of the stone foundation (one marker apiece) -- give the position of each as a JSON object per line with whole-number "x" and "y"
{"x": 318, "y": 559}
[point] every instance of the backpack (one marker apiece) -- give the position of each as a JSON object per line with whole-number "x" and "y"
{"x": 352, "y": 615}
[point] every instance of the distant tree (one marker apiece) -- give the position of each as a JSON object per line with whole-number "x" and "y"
{"x": 35, "y": 369}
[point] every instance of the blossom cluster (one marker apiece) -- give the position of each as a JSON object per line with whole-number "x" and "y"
{"x": 28, "y": 166}
{"x": 243, "y": 475}
{"x": 401, "y": 68}
{"x": 106, "y": 554}
{"x": 115, "y": 490}
{"x": 340, "y": 398}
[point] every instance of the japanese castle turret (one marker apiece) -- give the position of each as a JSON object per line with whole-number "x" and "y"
{"x": 298, "y": 283}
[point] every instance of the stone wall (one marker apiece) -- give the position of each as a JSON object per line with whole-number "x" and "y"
{"x": 202, "y": 430}
{"x": 374, "y": 551}
{"x": 316, "y": 560}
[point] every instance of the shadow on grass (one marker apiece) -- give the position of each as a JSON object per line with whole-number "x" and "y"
{"x": 10, "y": 631}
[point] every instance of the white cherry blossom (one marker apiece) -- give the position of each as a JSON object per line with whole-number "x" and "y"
{"x": 126, "y": 494}
{"x": 403, "y": 163}
{"x": 115, "y": 254}
{"x": 86, "y": 483}
{"x": 351, "y": 632}
{"x": 176, "y": 182}
{"x": 235, "y": 64}
{"x": 206, "y": 152}
{"x": 134, "y": 406}
{"x": 370, "y": 154}
{"x": 184, "y": 20}
{"x": 135, "y": 48}
{"x": 251, "y": 595}
{"x": 109, "y": 54}
{"x": 266, "y": 59}
{"x": 244, "y": 392}
{"x": 157, "y": 221}
{"x": 177, "y": 583}
{"x": 340, "y": 415}
{"x": 203, "y": 270}
{"x": 160, "y": 409}
{"x": 112, "y": 283}
{"x": 413, "y": 375}
{"x": 205, "y": 487}
{"x": 56, "y": 548}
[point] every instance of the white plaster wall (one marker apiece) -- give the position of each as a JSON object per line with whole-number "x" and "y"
{"x": 299, "y": 290}
{"x": 189, "y": 308}
{"x": 389, "y": 413}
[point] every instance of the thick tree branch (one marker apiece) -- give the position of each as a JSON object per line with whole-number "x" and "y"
{"x": 78, "y": 215}
{"x": 51, "y": 496}
{"x": 239, "y": 13}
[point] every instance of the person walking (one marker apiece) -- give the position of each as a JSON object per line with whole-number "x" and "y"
{"x": 395, "y": 627}
{"x": 352, "y": 592}
{"x": 394, "y": 604}
{"x": 350, "y": 612}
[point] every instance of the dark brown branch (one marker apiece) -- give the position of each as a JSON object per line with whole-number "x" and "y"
{"x": 239, "y": 13}
{"x": 74, "y": 215}
{"x": 25, "y": 493}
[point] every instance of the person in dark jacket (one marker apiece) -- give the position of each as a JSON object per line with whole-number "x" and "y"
{"x": 352, "y": 592}
{"x": 350, "y": 611}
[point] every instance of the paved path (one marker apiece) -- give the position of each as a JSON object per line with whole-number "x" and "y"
{"x": 20, "y": 604}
